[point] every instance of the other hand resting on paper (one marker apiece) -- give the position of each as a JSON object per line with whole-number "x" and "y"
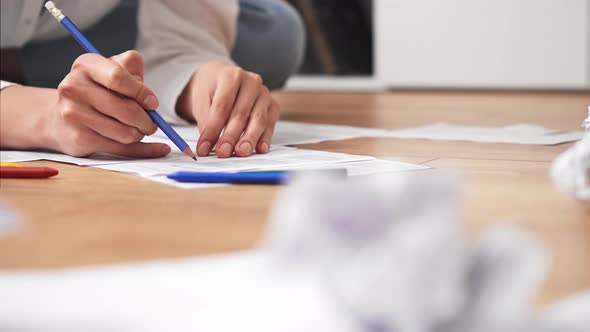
{"x": 222, "y": 97}
{"x": 98, "y": 107}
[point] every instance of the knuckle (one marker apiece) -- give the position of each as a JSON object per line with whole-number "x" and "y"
{"x": 133, "y": 56}
{"x": 80, "y": 62}
{"x": 257, "y": 78}
{"x": 259, "y": 117}
{"x": 115, "y": 76}
{"x": 241, "y": 113}
{"x": 68, "y": 113}
{"x": 227, "y": 138}
{"x": 131, "y": 59}
{"x": 131, "y": 135}
{"x": 223, "y": 103}
{"x": 140, "y": 91}
{"x": 234, "y": 74}
{"x": 152, "y": 128}
{"x": 71, "y": 84}
{"x": 78, "y": 142}
{"x": 130, "y": 111}
{"x": 67, "y": 87}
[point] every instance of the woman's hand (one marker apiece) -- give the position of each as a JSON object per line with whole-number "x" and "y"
{"x": 233, "y": 109}
{"x": 98, "y": 107}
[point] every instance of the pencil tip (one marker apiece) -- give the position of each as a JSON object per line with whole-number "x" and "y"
{"x": 189, "y": 153}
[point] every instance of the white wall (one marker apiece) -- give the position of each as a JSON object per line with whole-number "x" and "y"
{"x": 483, "y": 43}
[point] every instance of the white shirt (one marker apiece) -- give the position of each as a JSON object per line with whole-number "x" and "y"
{"x": 175, "y": 36}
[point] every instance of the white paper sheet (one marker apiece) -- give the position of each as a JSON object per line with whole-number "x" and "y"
{"x": 516, "y": 134}
{"x": 277, "y": 158}
{"x": 239, "y": 292}
{"x": 353, "y": 169}
{"x": 19, "y": 156}
{"x": 294, "y": 133}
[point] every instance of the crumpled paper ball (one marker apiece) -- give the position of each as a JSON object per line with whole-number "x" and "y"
{"x": 390, "y": 252}
{"x": 571, "y": 170}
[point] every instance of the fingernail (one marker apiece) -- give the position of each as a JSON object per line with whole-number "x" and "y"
{"x": 166, "y": 150}
{"x": 264, "y": 147}
{"x": 204, "y": 148}
{"x": 225, "y": 149}
{"x": 151, "y": 102}
{"x": 246, "y": 148}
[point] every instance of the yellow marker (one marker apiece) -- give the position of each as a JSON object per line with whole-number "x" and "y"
{"x": 10, "y": 165}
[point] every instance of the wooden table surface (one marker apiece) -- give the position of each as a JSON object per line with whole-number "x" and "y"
{"x": 90, "y": 216}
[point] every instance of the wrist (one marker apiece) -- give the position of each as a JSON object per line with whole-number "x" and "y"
{"x": 26, "y": 119}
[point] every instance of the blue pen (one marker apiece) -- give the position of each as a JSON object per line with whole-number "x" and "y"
{"x": 235, "y": 178}
{"x": 87, "y": 45}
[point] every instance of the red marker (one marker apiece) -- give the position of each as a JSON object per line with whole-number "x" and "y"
{"x": 27, "y": 172}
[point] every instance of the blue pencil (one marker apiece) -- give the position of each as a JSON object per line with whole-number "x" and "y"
{"x": 87, "y": 45}
{"x": 236, "y": 178}
{"x": 255, "y": 177}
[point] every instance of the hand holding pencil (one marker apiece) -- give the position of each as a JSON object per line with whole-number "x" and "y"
{"x": 102, "y": 105}
{"x": 89, "y": 112}
{"x": 100, "y": 108}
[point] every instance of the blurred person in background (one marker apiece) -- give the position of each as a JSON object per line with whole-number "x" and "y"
{"x": 206, "y": 61}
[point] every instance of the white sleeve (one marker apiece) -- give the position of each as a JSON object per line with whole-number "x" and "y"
{"x": 176, "y": 37}
{"x": 5, "y": 84}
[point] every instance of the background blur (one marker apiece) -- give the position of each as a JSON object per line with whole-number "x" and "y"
{"x": 499, "y": 44}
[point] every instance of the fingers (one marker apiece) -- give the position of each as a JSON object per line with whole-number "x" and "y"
{"x": 221, "y": 107}
{"x": 265, "y": 140}
{"x": 135, "y": 150}
{"x": 256, "y": 126}
{"x": 84, "y": 115}
{"x": 79, "y": 141}
{"x": 238, "y": 120}
{"x": 101, "y": 106}
{"x": 77, "y": 86}
{"x": 132, "y": 61}
{"x": 113, "y": 76}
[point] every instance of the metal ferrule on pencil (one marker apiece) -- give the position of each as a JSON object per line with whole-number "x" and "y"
{"x": 56, "y": 12}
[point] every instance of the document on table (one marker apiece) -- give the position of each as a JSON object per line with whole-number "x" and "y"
{"x": 277, "y": 158}
{"x": 516, "y": 134}
{"x": 353, "y": 169}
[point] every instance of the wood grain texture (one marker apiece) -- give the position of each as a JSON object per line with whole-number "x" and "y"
{"x": 90, "y": 216}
